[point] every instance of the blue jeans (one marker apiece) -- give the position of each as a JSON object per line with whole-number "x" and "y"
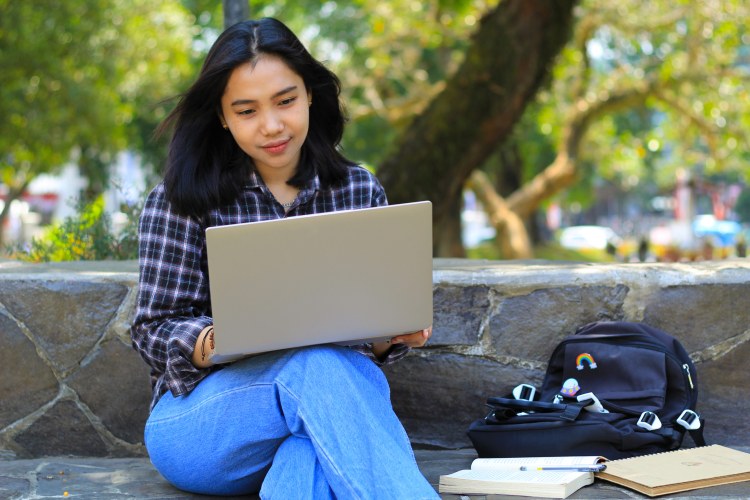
{"x": 314, "y": 422}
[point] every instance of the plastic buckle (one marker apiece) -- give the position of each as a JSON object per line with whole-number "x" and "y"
{"x": 524, "y": 391}
{"x": 649, "y": 421}
{"x": 689, "y": 420}
{"x": 595, "y": 406}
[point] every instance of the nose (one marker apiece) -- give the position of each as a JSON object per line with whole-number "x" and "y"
{"x": 272, "y": 124}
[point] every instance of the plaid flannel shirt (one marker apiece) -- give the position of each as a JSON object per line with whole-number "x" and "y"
{"x": 173, "y": 304}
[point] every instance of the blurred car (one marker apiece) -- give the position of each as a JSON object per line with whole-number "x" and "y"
{"x": 721, "y": 233}
{"x": 589, "y": 238}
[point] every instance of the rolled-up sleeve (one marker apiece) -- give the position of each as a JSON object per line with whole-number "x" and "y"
{"x": 396, "y": 352}
{"x": 173, "y": 297}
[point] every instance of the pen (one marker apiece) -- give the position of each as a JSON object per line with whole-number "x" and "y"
{"x": 578, "y": 468}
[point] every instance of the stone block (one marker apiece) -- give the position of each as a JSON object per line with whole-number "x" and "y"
{"x": 723, "y": 394}
{"x": 700, "y": 316}
{"x": 66, "y": 317}
{"x": 26, "y": 382}
{"x": 10, "y": 485}
{"x": 63, "y": 430}
{"x": 529, "y": 326}
{"x": 437, "y": 396}
{"x": 458, "y": 314}
{"x": 115, "y": 385}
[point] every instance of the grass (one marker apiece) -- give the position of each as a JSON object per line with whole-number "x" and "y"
{"x": 548, "y": 251}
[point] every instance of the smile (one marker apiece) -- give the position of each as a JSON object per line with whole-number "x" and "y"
{"x": 277, "y": 147}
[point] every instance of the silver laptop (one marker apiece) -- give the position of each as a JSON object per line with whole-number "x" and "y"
{"x": 339, "y": 277}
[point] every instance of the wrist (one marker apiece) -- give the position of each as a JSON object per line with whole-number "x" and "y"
{"x": 381, "y": 349}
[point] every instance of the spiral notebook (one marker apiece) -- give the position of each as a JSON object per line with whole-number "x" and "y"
{"x": 679, "y": 470}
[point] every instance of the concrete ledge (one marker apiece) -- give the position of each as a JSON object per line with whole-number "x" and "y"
{"x": 72, "y": 385}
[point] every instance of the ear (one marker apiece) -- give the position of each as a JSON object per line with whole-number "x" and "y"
{"x": 220, "y": 116}
{"x": 309, "y": 97}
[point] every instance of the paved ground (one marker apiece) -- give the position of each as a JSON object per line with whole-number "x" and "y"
{"x": 119, "y": 478}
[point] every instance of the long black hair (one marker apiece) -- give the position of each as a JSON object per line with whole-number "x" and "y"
{"x": 205, "y": 166}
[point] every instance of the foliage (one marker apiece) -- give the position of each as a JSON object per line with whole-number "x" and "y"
{"x": 392, "y": 56}
{"x": 87, "y": 79}
{"x": 83, "y": 80}
{"x": 87, "y": 236}
{"x": 642, "y": 93}
{"x": 689, "y": 61}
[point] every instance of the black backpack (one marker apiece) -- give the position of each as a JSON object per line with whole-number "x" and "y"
{"x": 615, "y": 389}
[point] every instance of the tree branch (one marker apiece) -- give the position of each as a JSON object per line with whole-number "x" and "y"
{"x": 705, "y": 127}
{"x": 562, "y": 171}
{"x": 512, "y": 237}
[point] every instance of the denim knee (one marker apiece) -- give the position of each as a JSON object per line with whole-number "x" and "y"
{"x": 329, "y": 361}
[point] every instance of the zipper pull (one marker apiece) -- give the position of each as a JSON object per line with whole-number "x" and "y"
{"x": 690, "y": 379}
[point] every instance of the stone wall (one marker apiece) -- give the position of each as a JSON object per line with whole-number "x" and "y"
{"x": 70, "y": 383}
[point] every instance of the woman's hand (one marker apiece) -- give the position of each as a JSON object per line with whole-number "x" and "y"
{"x": 414, "y": 339}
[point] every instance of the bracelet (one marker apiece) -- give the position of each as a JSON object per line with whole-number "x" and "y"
{"x": 209, "y": 333}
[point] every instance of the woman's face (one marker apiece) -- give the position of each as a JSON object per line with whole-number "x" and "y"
{"x": 265, "y": 107}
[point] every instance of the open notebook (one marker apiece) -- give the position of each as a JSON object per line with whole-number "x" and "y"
{"x": 540, "y": 477}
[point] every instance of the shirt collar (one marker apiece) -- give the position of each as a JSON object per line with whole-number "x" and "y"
{"x": 255, "y": 180}
{"x": 305, "y": 192}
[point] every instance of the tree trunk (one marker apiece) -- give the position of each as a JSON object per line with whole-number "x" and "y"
{"x": 235, "y": 11}
{"x": 508, "y": 60}
{"x": 509, "y": 173}
{"x": 3, "y": 219}
{"x": 14, "y": 193}
{"x": 447, "y": 238}
{"x": 557, "y": 176}
{"x": 511, "y": 235}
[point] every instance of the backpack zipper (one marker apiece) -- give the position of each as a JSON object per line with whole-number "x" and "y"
{"x": 686, "y": 367}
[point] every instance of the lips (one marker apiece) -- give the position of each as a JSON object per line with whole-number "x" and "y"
{"x": 276, "y": 147}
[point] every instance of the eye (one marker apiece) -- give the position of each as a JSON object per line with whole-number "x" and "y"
{"x": 287, "y": 101}
{"x": 246, "y": 112}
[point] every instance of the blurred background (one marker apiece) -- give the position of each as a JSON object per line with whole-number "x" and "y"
{"x": 569, "y": 130}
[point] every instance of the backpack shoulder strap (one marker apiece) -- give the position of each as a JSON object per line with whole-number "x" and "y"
{"x": 697, "y": 434}
{"x": 565, "y": 411}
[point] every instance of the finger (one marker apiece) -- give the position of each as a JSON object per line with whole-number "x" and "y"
{"x": 404, "y": 338}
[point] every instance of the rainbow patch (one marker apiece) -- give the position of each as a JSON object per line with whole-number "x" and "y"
{"x": 584, "y": 356}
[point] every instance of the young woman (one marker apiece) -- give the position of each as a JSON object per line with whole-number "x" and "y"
{"x": 255, "y": 138}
